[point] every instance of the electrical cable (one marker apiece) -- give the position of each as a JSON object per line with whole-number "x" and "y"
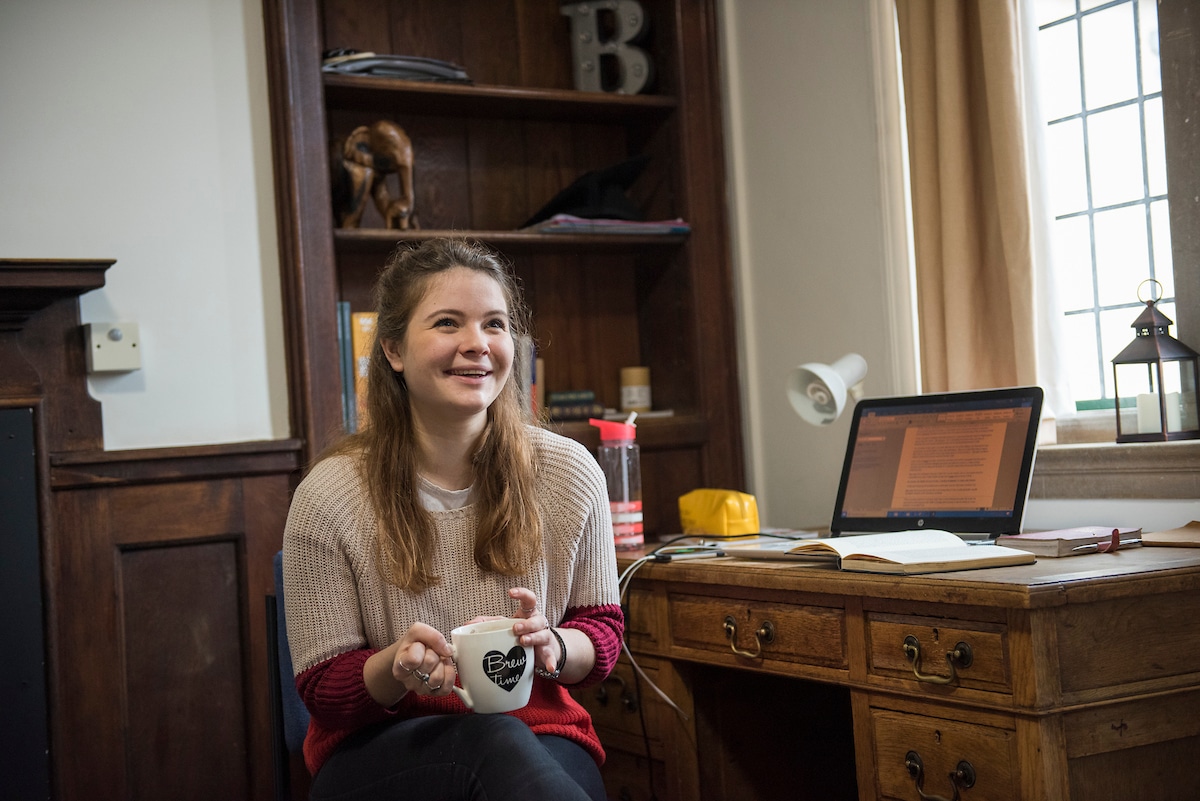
{"x": 670, "y": 553}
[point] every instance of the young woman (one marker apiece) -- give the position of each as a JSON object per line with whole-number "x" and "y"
{"x": 447, "y": 506}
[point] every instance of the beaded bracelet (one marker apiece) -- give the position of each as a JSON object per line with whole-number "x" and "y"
{"x": 562, "y": 660}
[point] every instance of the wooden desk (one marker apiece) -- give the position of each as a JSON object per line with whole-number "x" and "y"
{"x": 1074, "y": 678}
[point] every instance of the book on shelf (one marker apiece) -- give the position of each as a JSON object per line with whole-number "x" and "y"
{"x": 410, "y": 68}
{"x": 362, "y": 337}
{"x": 1073, "y": 541}
{"x": 526, "y": 373}
{"x": 1186, "y": 536}
{"x": 568, "y": 396}
{"x": 570, "y": 224}
{"x": 617, "y": 414}
{"x": 347, "y": 367}
{"x": 539, "y": 385}
{"x": 897, "y": 552}
{"x": 574, "y": 411}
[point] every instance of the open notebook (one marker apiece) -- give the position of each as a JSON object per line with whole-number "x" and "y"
{"x": 958, "y": 462}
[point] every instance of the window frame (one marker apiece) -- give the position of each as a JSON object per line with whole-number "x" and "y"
{"x": 1100, "y": 467}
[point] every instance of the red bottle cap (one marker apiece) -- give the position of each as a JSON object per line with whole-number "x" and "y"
{"x": 614, "y": 431}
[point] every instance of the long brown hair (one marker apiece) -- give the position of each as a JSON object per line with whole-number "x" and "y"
{"x": 510, "y": 529}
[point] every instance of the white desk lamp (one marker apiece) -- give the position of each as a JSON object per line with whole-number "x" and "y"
{"x": 818, "y": 391}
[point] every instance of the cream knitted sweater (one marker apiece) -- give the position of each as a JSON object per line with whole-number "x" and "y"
{"x": 339, "y": 610}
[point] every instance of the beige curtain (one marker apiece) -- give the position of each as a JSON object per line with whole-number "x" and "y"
{"x": 970, "y": 196}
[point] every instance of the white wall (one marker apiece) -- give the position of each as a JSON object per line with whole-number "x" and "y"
{"x": 138, "y": 130}
{"x": 815, "y": 221}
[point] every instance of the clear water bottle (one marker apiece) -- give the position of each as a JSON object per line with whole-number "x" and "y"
{"x": 620, "y": 460}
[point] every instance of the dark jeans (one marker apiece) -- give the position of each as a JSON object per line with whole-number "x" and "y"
{"x": 458, "y": 758}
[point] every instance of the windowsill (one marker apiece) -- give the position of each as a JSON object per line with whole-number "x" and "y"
{"x": 1088, "y": 463}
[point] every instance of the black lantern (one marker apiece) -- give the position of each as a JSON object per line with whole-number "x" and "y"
{"x": 1160, "y": 377}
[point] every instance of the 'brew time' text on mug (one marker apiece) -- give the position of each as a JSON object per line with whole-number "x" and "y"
{"x": 505, "y": 671}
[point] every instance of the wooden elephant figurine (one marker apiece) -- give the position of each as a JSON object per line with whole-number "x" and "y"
{"x": 367, "y": 157}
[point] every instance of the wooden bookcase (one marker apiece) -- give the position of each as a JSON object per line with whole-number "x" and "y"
{"x": 490, "y": 154}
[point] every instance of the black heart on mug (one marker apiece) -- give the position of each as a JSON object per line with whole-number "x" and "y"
{"x": 505, "y": 671}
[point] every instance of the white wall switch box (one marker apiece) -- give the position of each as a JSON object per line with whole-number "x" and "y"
{"x": 112, "y": 347}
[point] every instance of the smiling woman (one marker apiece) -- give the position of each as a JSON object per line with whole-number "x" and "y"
{"x": 448, "y": 509}
{"x": 456, "y": 355}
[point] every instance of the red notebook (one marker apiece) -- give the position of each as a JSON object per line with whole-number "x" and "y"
{"x": 1073, "y": 541}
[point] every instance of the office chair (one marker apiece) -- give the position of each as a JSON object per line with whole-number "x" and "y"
{"x": 289, "y": 717}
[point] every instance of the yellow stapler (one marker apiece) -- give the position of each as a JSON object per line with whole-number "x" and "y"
{"x": 718, "y": 513}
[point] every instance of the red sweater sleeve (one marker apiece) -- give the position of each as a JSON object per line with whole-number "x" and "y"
{"x": 605, "y": 627}
{"x": 336, "y": 693}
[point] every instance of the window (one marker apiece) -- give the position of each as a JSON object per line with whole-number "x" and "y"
{"x": 1100, "y": 93}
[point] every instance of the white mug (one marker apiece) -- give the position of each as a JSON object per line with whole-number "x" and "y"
{"x": 496, "y": 671}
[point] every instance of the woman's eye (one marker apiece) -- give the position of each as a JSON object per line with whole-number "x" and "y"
{"x": 442, "y": 323}
{"x": 498, "y": 323}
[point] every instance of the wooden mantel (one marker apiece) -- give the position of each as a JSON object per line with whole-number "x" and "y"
{"x": 42, "y": 347}
{"x": 29, "y": 285}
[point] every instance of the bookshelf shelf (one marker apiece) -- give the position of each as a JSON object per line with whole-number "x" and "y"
{"x": 348, "y": 92}
{"x": 377, "y": 240}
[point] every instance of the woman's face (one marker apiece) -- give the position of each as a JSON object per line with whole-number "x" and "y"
{"x": 458, "y": 349}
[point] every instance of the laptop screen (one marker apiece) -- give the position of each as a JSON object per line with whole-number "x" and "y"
{"x": 956, "y": 461}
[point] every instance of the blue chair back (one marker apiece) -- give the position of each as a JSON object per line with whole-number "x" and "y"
{"x": 295, "y": 714}
{"x": 289, "y": 717}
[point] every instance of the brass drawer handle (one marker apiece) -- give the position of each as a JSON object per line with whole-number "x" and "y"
{"x": 627, "y": 698}
{"x": 960, "y": 657}
{"x": 765, "y": 633}
{"x": 962, "y": 778}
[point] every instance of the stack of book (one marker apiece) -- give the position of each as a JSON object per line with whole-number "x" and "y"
{"x": 409, "y": 68}
{"x": 356, "y": 335}
{"x": 577, "y": 404}
{"x": 570, "y": 224}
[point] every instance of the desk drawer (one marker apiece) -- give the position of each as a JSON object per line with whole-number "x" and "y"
{"x": 937, "y": 652}
{"x": 811, "y": 635}
{"x": 616, "y": 707}
{"x": 923, "y": 751}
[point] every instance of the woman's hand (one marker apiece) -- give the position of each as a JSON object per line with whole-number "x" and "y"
{"x": 533, "y": 629}
{"x": 423, "y": 662}
{"x": 419, "y": 662}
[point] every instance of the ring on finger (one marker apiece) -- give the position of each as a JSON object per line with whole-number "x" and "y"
{"x": 433, "y": 689}
{"x": 424, "y": 677}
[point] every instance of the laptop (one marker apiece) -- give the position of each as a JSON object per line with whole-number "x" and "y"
{"x": 957, "y": 461}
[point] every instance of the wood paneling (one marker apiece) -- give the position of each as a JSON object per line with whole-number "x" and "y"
{"x": 158, "y": 590}
{"x": 154, "y": 567}
{"x": 183, "y": 671}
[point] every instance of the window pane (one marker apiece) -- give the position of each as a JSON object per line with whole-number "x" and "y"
{"x": 1151, "y": 70}
{"x": 1156, "y": 155}
{"x": 1109, "y": 66}
{"x": 1122, "y": 257}
{"x": 1079, "y": 331}
{"x": 1169, "y": 310}
{"x": 1084, "y": 5}
{"x": 1058, "y": 71}
{"x": 1046, "y": 11}
{"x": 1116, "y": 331}
{"x": 1115, "y": 155}
{"x": 1068, "y": 178}
{"x": 1160, "y": 226}
{"x": 1073, "y": 263}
